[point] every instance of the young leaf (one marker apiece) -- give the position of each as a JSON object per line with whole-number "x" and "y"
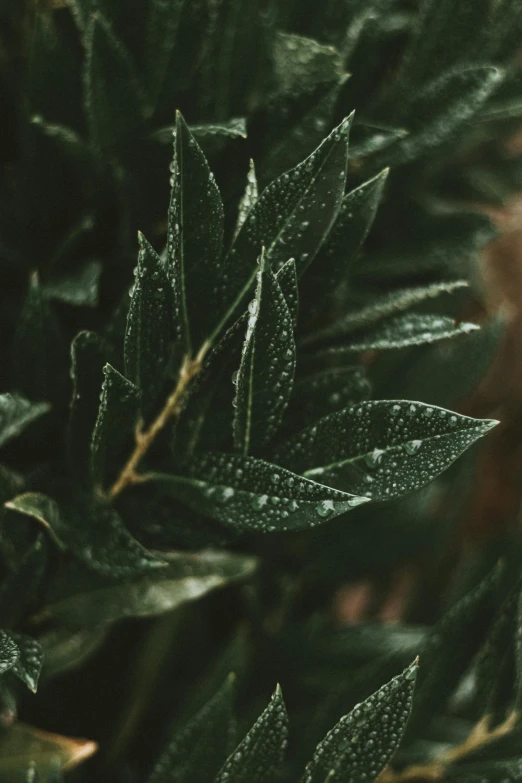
{"x": 29, "y": 664}
{"x": 287, "y": 279}
{"x": 364, "y": 741}
{"x": 162, "y": 28}
{"x": 91, "y": 530}
{"x": 402, "y": 332}
{"x": 89, "y": 353}
{"x": 85, "y": 598}
{"x": 290, "y": 218}
{"x": 258, "y": 758}
{"x": 201, "y": 747}
{"x": 266, "y": 372}
{"x": 9, "y": 652}
{"x": 16, "y": 413}
{"x": 26, "y": 751}
{"x": 253, "y": 495}
{"x": 195, "y": 240}
{"x": 115, "y": 424}
{"x": 149, "y": 336}
{"x": 387, "y": 305}
{"x": 336, "y": 257}
{"x": 382, "y": 449}
{"x": 248, "y": 199}
{"x": 79, "y": 289}
{"x": 113, "y": 96}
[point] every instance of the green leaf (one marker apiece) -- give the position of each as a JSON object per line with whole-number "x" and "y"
{"x": 195, "y": 240}
{"x": 287, "y": 279}
{"x": 162, "y": 28}
{"x": 248, "y": 199}
{"x": 401, "y": 332}
{"x": 9, "y": 652}
{"x": 266, "y": 372}
{"x": 200, "y": 748}
{"x": 26, "y": 752}
{"x": 258, "y": 758}
{"x": 290, "y": 218}
{"x": 380, "y": 308}
{"x": 149, "y": 336}
{"x": 113, "y": 96}
{"x": 335, "y": 259}
{"x": 16, "y": 413}
{"x": 91, "y": 530}
{"x": 253, "y": 495}
{"x": 79, "y": 288}
{"x": 363, "y": 742}
{"x": 29, "y": 664}
{"x": 115, "y": 424}
{"x": 233, "y": 128}
{"x": 84, "y": 598}
{"x": 327, "y": 391}
{"x": 302, "y": 62}
{"x": 382, "y": 449}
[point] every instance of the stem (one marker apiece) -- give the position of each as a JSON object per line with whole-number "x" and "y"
{"x": 145, "y": 438}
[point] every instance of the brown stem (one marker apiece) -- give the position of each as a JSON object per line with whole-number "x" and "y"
{"x": 145, "y": 438}
{"x": 480, "y": 735}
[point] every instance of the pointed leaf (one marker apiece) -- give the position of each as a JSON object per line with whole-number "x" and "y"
{"x": 149, "y": 336}
{"x": 259, "y": 757}
{"x": 233, "y": 128}
{"x": 381, "y": 449}
{"x": 29, "y": 664}
{"x": 266, "y": 373}
{"x": 195, "y": 240}
{"x": 16, "y": 413}
{"x": 201, "y": 747}
{"x": 248, "y": 199}
{"x": 113, "y": 96}
{"x": 91, "y": 530}
{"x": 9, "y": 652}
{"x": 26, "y": 751}
{"x": 253, "y": 495}
{"x": 79, "y": 289}
{"x": 364, "y": 741}
{"x": 300, "y": 61}
{"x": 335, "y": 259}
{"x": 115, "y": 424}
{"x": 88, "y": 599}
{"x": 287, "y": 279}
{"x": 290, "y": 218}
{"x": 402, "y": 332}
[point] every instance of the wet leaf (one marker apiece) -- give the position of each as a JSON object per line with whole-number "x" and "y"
{"x": 363, "y": 742}
{"x": 84, "y": 598}
{"x": 115, "y": 424}
{"x": 89, "y": 529}
{"x": 382, "y": 449}
{"x": 253, "y": 495}
{"x": 9, "y": 652}
{"x": 248, "y": 199}
{"x": 29, "y": 664}
{"x": 258, "y": 758}
{"x": 287, "y": 279}
{"x": 149, "y": 336}
{"x": 200, "y": 748}
{"x": 195, "y": 240}
{"x": 16, "y": 413}
{"x": 266, "y": 372}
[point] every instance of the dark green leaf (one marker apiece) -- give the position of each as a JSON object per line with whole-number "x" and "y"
{"x": 401, "y": 332}
{"x": 195, "y": 240}
{"x": 287, "y": 279}
{"x": 91, "y": 530}
{"x": 258, "y": 758}
{"x": 335, "y": 259}
{"x": 248, "y": 199}
{"x": 115, "y": 424}
{"x": 382, "y": 449}
{"x": 88, "y": 599}
{"x": 79, "y": 289}
{"x": 113, "y": 96}
{"x": 149, "y": 336}
{"x": 364, "y": 741}
{"x": 9, "y": 652}
{"x": 29, "y": 664}
{"x": 253, "y": 495}
{"x": 16, "y": 413}
{"x": 266, "y": 372}
{"x": 303, "y": 62}
{"x": 200, "y": 748}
